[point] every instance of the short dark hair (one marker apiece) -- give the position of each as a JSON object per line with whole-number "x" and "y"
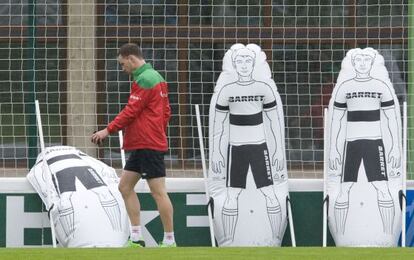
{"x": 130, "y": 49}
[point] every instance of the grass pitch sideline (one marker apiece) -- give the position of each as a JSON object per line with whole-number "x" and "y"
{"x": 302, "y": 253}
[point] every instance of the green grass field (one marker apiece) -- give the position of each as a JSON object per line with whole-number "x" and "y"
{"x": 302, "y": 253}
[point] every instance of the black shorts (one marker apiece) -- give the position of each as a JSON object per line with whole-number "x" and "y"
{"x": 239, "y": 159}
{"x": 148, "y": 163}
{"x": 372, "y": 153}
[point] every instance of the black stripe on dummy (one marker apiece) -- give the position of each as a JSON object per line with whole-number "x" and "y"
{"x": 387, "y": 103}
{"x": 62, "y": 157}
{"x": 364, "y": 116}
{"x": 254, "y": 119}
{"x": 340, "y": 105}
{"x": 269, "y": 105}
{"x": 223, "y": 108}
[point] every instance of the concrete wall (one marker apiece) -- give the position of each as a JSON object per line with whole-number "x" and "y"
{"x": 24, "y": 222}
{"x": 81, "y": 108}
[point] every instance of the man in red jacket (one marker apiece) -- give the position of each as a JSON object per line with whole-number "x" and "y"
{"x": 144, "y": 121}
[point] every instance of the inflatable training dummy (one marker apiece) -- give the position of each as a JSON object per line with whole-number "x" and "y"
{"x": 82, "y": 197}
{"x": 364, "y": 178}
{"x": 247, "y": 178}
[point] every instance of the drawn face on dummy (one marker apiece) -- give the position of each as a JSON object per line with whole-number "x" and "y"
{"x": 362, "y": 63}
{"x": 243, "y": 62}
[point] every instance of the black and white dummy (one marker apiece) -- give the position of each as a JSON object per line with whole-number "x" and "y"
{"x": 247, "y": 178}
{"x": 82, "y": 197}
{"x": 364, "y": 154}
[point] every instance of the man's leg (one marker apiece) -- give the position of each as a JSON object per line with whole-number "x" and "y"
{"x": 342, "y": 206}
{"x": 66, "y": 213}
{"x": 385, "y": 205}
{"x": 160, "y": 195}
{"x": 230, "y": 212}
{"x": 354, "y": 151}
{"x": 376, "y": 169}
{"x": 110, "y": 205}
{"x": 274, "y": 212}
{"x": 126, "y": 186}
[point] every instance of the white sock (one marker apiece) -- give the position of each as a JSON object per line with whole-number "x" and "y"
{"x": 136, "y": 233}
{"x": 387, "y": 213}
{"x": 168, "y": 238}
{"x": 229, "y": 217}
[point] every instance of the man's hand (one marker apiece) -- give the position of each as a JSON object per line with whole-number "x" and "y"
{"x": 394, "y": 158}
{"x": 334, "y": 160}
{"x": 217, "y": 163}
{"x": 98, "y": 137}
{"x": 278, "y": 160}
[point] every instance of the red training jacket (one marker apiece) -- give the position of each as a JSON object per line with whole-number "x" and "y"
{"x": 145, "y": 118}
